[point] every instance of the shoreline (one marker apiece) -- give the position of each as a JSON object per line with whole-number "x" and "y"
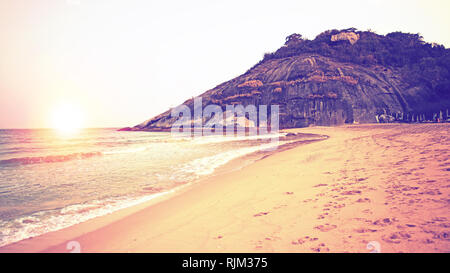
{"x": 233, "y": 165}
{"x": 382, "y": 183}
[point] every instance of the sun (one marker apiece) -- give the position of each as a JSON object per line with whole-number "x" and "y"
{"x": 67, "y": 118}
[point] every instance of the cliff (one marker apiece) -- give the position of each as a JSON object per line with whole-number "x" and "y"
{"x": 342, "y": 76}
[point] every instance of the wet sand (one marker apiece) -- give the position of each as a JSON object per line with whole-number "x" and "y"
{"x": 366, "y": 186}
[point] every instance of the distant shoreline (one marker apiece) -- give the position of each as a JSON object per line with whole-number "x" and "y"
{"x": 157, "y": 129}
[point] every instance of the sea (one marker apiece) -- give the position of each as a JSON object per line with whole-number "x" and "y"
{"x": 50, "y": 181}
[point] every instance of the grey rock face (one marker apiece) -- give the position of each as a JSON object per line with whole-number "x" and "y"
{"x": 319, "y": 90}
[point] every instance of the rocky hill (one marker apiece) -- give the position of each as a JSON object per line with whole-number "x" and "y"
{"x": 342, "y": 76}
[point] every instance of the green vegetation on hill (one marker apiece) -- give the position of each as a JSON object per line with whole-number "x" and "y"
{"x": 419, "y": 62}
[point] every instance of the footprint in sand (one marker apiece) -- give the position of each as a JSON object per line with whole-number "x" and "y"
{"x": 261, "y": 214}
{"x": 396, "y": 237}
{"x": 409, "y": 188}
{"x": 320, "y": 248}
{"x": 322, "y": 216}
{"x": 384, "y": 222}
{"x": 351, "y": 192}
{"x": 431, "y": 192}
{"x": 367, "y": 211}
{"x": 338, "y": 189}
{"x": 325, "y": 227}
{"x": 442, "y": 235}
{"x": 365, "y": 230}
{"x": 303, "y": 240}
{"x": 310, "y": 200}
{"x": 339, "y": 206}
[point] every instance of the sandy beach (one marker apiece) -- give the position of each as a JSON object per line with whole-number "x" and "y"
{"x": 382, "y": 185}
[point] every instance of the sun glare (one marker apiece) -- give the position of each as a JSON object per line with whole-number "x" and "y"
{"x": 67, "y": 119}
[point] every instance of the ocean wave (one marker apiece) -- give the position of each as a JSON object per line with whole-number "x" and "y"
{"x": 126, "y": 151}
{"x": 207, "y": 165}
{"x": 47, "y": 221}
{"x": 212, "y": 139}
{"x": 220, "y": 139}
{"x": 66, "y": 157}
{"x": 48, "y": 158}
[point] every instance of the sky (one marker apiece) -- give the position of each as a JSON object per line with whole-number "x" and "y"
{"x": 119, "y": 63}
